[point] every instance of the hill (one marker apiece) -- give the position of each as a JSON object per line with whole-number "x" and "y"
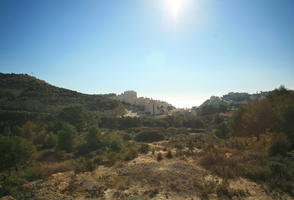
{"x": 24, "y": 97}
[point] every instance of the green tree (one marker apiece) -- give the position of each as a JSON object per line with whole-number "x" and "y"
{"x": 281, "y": 145}
{"x": 16, "y": 131}
{"x": 51, "y": 141}
{"x": 93, "y": 138}
{"x": 116, "y": 144}
{"x": 40, "y": 138}
{"x": 66, "y": 137}
{"x": 7, "y": 131}
{"x": 76, "y": 115}
{"x": 29, "y": 130}
{"x": 15, "y": 152}
{"x": 223, "y": 131}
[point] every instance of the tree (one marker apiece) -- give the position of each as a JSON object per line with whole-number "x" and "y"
{"x": 15, "y": 152}
{"x": 92, "y": 138}
{"x": 66, "y": 137}
{"x": 281, "y": 145}
{"x": 7, "y": 131}
{"x": 76, "y": 115}
{"x": 16, "y": 131}
{"x": 116, "y": 144}
{"x": 40, "y": 138}
{"x": 223, "y": 131}
{"x": 29, "y": 130}
{"x": 51, "y": 141}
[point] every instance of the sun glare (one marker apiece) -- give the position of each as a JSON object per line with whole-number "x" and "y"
{"x": 174, "y": 8}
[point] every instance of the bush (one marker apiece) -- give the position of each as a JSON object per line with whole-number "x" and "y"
{"x": 15, "y": 152}
{"x": 66, "y": 137}
{"x": 43, "y": 170}
{"x": 277, "y": 172}
{"x": 280, "y": 146}
{"x": 149, "y": 136}
{"x": 144, "y": 148}
{"x": 169, "y": 154}
{"x": 130, "y": 154}
{"x": 10, "y": 185}
{"x": 159, "y": 156}
{"x": 223, "y": 131}
{"x": 83, "y": 165}
{"x": 281, "y": 177}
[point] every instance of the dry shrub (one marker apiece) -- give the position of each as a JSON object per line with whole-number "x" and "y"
{"x": 249, "y": 164}
{"x": 43, "y": 170}
{"x": 179, "y": 152}
{"x": 159, "y": 156}
{"x": 152, "y": 192}
{"x": 144, "y": 148}
{"x": 175, "y": 187}
{"x": 118, "y": 164}
{"x": 261, "y": 144}
{"x": 204, "y": 188}
{"x": 206, "y": 185}
{"x": 169, "y": 154}
{"x": 217, "y": 162}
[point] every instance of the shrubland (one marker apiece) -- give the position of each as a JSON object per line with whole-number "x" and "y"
{"x": 257, "y": 143}
{"x": 45, "y": 130}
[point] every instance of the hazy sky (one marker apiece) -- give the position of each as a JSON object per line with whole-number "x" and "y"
{"x": 181, "y": 51}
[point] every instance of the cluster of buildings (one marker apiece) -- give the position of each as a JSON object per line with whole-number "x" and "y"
{"x": 145, "y": 105}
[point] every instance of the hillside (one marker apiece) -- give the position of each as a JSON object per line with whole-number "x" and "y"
{"x": 25, "y": 97}
{"x": 60, "y": 144}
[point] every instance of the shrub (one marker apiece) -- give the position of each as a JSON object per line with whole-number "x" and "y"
{"x": 43, "y": 170}
{"x": 144, "y": 148}
{"x": 159, "y": 156}
{"x": 281, "y": 177}
{"x": 219, "y": 164}
{"x": 280, "y": 146}
{"x": 130, "y": 154}
{"x": 83, "y": 165}
{"x": 15, "y": 152}
{"x": 66, "y": 137}
{"x": 10, "y": 185}
{"x": 223, "y": 131}
{"x": 169, "y": 154}
{"x": 149, "y": 136}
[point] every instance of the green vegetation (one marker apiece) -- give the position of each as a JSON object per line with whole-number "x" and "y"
{"x": 14, "y": 152}
{"x": 258, "y": 143}
{"x": 149, "y": 136}
{"x": 24, "y": 98}
{"x": 45, "y": 130}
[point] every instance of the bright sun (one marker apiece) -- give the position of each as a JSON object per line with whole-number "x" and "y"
{"x": 174, "y": 8}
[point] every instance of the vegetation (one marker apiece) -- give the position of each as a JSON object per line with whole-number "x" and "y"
{"x": 149, "y": 136}
{"x": 258, "y": 143}
{"x": 15, "y": 152}
{"x": 45, "y": 130}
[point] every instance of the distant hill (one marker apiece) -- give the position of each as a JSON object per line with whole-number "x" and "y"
{"x": 24, "y": 97}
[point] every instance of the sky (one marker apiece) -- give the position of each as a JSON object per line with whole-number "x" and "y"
{"x": 179, "y": 51}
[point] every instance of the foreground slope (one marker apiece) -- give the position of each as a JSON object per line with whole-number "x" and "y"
{"x": 176, "y": 178}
